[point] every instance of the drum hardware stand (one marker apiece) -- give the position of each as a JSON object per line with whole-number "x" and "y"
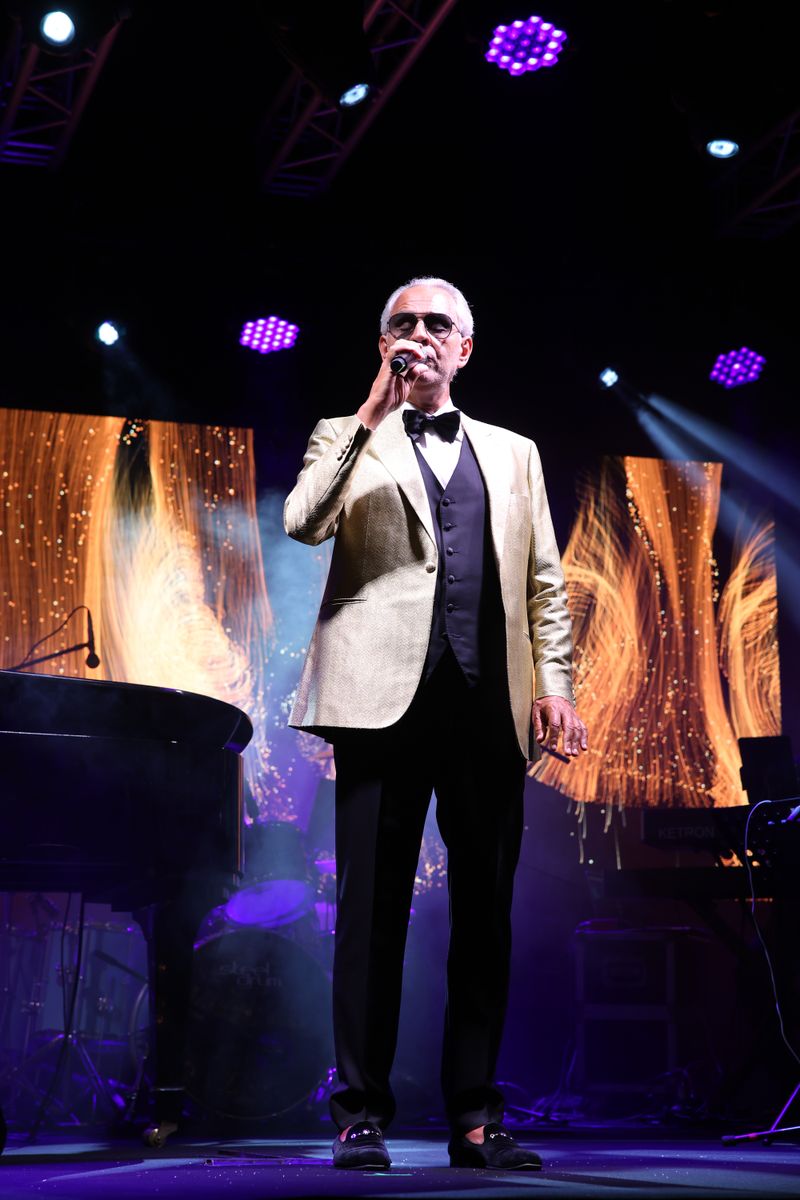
{"x": 21, "y": 1076}
{"x": 38, "y": 904}
{"x": 29, "y": 1009}
{"x": 16, "y": 1075}
{"x": 5, "y": 985}
{"x": 75, "y": 1045}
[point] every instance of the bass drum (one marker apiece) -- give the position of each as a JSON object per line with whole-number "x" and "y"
{"x": 259, "y": 1032}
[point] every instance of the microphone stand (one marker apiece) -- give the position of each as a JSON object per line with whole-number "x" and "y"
{"x": 92, "y": 661}
{"x": 32, "y": 662}
{"x": 766, "y": 1135}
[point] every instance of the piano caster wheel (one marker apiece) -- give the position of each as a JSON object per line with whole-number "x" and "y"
{"x": 157, "y": 1136}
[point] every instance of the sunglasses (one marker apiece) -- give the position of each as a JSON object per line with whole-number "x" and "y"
{"x": 438, "y": 325}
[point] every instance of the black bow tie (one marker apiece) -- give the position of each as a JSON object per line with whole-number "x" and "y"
{"x": 446, "y": 424}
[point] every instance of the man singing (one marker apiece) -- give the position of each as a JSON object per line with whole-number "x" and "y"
{"x": 442, "y": 631}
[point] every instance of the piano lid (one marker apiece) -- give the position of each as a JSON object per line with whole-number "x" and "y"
{"x": 100, "y": 708}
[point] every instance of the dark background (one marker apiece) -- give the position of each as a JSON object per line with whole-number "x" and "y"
{"x": 575, "y": 208}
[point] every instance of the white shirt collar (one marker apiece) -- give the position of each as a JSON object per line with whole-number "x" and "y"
{"x": 446, "y": 407}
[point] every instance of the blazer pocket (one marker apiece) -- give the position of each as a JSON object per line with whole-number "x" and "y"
{"x": 343, "y": 600}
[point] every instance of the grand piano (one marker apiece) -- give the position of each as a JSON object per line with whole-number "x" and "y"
{"x": 130, "y": 795}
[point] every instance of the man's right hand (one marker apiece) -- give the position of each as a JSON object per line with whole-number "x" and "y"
{"x": 389, "y": 391}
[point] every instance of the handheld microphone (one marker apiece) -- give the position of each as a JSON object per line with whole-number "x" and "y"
{"x": 92, "y": 660}
{"x": 401, "y": 362}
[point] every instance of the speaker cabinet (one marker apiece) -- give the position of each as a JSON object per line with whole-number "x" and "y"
{"x": 640, "y": 1005}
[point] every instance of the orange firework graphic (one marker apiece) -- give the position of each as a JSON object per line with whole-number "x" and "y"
{"x": 652, "y": 652}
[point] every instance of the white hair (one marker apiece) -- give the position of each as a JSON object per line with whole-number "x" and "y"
{"x": 465, "y": 321}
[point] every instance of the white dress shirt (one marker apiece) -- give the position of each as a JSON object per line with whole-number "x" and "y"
{"x": 441, "y": 456}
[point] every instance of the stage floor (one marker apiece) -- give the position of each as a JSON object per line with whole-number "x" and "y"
{"x": 623, "y": 1164}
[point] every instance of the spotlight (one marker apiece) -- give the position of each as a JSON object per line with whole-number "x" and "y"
{"x": 737, "y": 367}
{"x": 525, "y": 46}
{"x": 722, "y": 148}
{"x": 354, "y": 95}
{"x": 57, "y": 28}
{"x": 622, "y": 390}
{"x": 66, "y": 31}
{"x": 107, "y": 333}
{"x": 268, "y": 334}
{"x": 326, "y": 43}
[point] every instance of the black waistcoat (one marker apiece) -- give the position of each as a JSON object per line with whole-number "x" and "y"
{"x": 467, "y": 607}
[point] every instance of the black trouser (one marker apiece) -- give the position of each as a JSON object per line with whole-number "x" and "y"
{"x": 460, "y": 742}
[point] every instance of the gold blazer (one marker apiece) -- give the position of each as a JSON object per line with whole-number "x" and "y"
{"x": 368, "y": 649}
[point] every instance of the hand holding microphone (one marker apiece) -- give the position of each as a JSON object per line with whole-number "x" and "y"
{"x": 406, "y": 355}
{"x": 402, "y": 363}
{"x": 394, "y": 382}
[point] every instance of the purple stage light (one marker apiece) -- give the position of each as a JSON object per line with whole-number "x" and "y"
{"x": 737, "y": 367}
{"x": 268, "y": 334}
{"x": 525, "y": 45}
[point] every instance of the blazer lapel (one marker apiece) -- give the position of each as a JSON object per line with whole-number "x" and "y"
{"x": 393, "y": 447}
{"x": 495, "y": 476}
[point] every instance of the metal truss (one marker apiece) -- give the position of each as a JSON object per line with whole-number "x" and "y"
{"x": 308, "y": 137}
{"x": 759, "y": 194}
{"x": 42, "y": 98}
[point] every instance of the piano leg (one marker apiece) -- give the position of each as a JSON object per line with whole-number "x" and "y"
{"x": 170, "y": 929}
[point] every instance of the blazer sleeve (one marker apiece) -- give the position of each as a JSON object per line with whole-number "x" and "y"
{"x": 548, "y": 616}
{"x": 312, "y": 508}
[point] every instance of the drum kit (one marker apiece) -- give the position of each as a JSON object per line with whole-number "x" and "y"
{"x": 259, "y": 1032}
{"x": 258, "y": 1029}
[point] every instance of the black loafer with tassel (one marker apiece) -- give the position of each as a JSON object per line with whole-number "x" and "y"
{"x": 497, "y": 1152}
{"x": 363, "y": 1148}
